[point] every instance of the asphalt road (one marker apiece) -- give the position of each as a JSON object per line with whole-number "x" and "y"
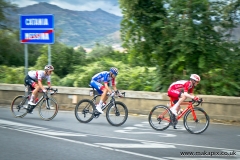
{"x": 64, "y": 138}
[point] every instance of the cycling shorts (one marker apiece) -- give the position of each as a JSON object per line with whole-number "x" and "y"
{"x": 174, "y": 94}
{"x": 30, "y": 82}
{"x": 98, "y": 86}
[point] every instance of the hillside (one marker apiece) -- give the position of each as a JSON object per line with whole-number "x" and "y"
{"x": 76, "y": 27}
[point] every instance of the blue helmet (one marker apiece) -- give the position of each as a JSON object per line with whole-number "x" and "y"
{"x": 114, "y": 71}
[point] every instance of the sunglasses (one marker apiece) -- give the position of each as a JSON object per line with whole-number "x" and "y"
{"x": 196, "y": 81}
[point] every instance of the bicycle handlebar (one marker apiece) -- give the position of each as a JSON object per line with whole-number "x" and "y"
{"x": 122, "y": 93}
{"x": 52, "y": 89}
{"x": 198, "y": 102}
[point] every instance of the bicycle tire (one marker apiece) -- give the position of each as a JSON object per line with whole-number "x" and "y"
{"x": 48, "y": 109}
{"x": 117, "y": 112}
{"x": 17, "y": 106}
{"x": 84, "y": 109}
{"x": 159, "y": 117}
{"x": 202, "y": 121}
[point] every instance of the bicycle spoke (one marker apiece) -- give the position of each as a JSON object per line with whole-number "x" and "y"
{"x": 159, "y": 118}
{"x": 84, "y": 111}
{"x": 198, "y": 125}
{"x": 117, "y": 114}
{"x": 18, "y": 106}
{"x": 48, "y": 109}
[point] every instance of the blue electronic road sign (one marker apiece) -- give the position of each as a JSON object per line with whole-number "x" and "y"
{"x": 36, "y": 21}
{"x": 39, "y": 36}
{"x": 37, "y": 29}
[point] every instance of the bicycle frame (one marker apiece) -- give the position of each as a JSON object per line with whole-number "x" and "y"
{"x": 93, "y": 92}
{"x": 189, "y": 105}
{"x": 105, "y": 106}
{"x": 44, "y": 96}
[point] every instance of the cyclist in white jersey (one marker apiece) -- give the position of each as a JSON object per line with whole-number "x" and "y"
{"x": 34, "y": 80}
{"x": 101, "y": 78}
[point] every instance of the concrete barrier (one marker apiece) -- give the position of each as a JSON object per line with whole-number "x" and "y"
{"x": 221, "y": 108}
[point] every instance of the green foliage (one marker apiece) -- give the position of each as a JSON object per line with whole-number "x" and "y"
{"x": 63, "y": 58}
{"x": 184, "y": 37}
{"x": 165, "y": 41}
{"x": 8, "y": 75}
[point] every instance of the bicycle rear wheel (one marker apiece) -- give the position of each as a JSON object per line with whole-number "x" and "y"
{"x": 159, "y": 118}
{"x": 200, "y": 124}
{"x": 117, "y": 114}
{"x": 18, "y": 106}
{"x": 48, "y": 109}
{"x": 84, "y": 111}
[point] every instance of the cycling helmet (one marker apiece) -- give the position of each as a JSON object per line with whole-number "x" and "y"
{"x": 49, "y": 67}
{"x": 114, "y": 70}
{"x": 195, "y": 77}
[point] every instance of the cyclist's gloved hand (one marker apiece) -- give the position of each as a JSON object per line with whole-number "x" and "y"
{"x": 112, "y": 94}
{"x": 120, "y": 94}
{"x": 44, "y": 90}
{"x": 196, "y": 98}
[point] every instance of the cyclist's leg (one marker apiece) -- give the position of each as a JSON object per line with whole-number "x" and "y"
{"x": 30, "y": 82}
{"x": 35, "y": 88}
{"x": 174, "y": 95}
{"x": 100, "y": 89}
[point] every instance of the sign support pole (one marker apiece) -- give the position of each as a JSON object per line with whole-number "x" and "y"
{"x": 49, "y": 54}
{"x": 26, "y": 58}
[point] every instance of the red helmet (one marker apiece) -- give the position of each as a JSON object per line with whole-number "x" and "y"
{"x": 195, "y": 77}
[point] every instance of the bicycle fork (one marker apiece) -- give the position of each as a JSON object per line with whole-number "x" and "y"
{"x": 194, "y": 115}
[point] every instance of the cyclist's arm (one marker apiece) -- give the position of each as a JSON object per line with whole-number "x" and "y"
{"x": 49, "y": 82}
{"x": 186, "y": 90}
{"x": 107, "y": 87}
{"x": 189, "y": 95}
{"x": 114, "y": 88}
{"x": 40, "y": 84}
{"x": 114, "y": 84}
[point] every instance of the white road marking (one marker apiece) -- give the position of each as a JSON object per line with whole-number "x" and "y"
{"x": 118, "y": 150}
{"x": 140, "y": 145}
{"x": 84, "y": 143}
{"x": 159, "y": 134}
{"x": 37, "y": 129}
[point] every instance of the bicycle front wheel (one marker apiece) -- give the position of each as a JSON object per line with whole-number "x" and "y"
{"x": 48, "y": 109}
{"x": 198, "y": 125}
{"x": 117, "y": 114}
{"x": 84, "y": 111}
{"x": 159, "y": 118}
{"x": 18, "y": 106}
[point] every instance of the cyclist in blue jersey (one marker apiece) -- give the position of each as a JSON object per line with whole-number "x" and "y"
{"x": 105, "y": 77}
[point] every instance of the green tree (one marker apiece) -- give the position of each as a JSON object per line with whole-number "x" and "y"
{"x": 188, "y": 40}
{"x": 64, "y": 58}
{"x": 5, "y": 7}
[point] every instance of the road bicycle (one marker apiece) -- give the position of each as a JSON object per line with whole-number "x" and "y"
{"x": 116, "y": 113}
{"x": 47, "y": 106}
{"x": 195, "y": 119}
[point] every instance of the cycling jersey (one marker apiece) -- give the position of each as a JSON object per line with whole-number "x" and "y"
{"x": 100, "y": 78}
{"x": 34, "y": 76}
{"x": 178, "y": 87}
{"x": 39, "y": 75}
{"x": 104, "y": 77}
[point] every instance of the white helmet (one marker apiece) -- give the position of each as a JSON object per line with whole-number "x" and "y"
{"x": 195, "y": 77}
{"x": 49, "y": 68}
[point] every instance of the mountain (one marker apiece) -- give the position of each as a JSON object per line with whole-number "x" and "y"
{"x": 76, "y": 27}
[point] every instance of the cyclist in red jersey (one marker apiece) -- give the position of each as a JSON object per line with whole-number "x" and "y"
{"x": 179, "y": 91}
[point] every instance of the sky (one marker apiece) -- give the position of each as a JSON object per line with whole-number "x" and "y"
{"x": 110, "y": 6}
